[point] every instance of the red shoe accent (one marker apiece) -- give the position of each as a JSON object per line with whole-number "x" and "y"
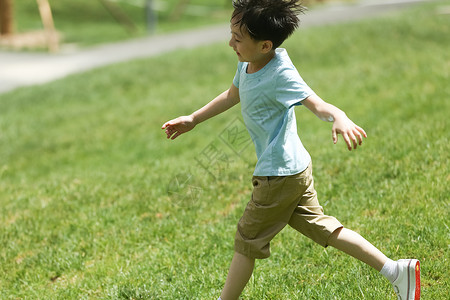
{"x": 417, "y": 272}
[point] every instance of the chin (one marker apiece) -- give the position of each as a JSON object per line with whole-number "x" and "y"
{"x": 241, "y": 59}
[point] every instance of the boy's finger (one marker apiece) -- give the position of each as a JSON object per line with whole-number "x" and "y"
{"x": 361, "y": 131}
{"x": 358, "y": 135}
{"x": 168, "y": 123}
{"x": 347, "y": 141}
{"x": 334, "y": 136}
{"x": 177, "y": 134}
{"x": 353, "y": 139}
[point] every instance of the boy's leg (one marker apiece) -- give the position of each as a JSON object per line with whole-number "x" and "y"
{"x": 404, "y": 274}
{"x": 240, "y": 271}
{"x": 309, "y": 219}
{"x": 267, "y": 213}
{"x": 355, "y": 245}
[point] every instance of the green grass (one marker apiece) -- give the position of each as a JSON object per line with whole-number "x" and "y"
{"x": 90, "y": 208}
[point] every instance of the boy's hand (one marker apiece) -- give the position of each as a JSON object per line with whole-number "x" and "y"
{"x": 178, "y": 126}
{"x": 351, "y": 132}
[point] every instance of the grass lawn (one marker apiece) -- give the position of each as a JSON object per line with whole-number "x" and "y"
{"x": 97, "y": 204}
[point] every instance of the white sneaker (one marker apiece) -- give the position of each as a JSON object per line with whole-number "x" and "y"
{"x": 407, "y": 284}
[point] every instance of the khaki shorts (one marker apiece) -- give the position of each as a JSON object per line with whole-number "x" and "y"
{"x": 278, "y": 201}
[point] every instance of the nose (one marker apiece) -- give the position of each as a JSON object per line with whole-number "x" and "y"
{"x": 230, "y": 43}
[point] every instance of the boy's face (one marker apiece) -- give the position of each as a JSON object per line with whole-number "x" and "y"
{"x": 246, "y": 48}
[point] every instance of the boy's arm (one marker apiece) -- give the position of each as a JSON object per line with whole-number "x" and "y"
{"x": 221, "y": 103}
{"x": 351, "y": 132}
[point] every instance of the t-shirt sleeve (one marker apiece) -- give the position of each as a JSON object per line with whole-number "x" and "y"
{"x": 291, "y": 89}
{"x": 237, "y": 75}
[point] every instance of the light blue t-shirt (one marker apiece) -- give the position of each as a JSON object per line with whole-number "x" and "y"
{"x": 268, "y": 98}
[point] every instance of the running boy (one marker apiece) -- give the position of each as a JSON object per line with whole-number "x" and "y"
{"x": 269, "y": 87}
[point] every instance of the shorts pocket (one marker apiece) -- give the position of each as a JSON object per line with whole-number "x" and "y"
{"x": 261, "y": 190}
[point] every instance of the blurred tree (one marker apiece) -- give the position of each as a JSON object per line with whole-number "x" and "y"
{"x": 119, "y": 15}
{"x": 6, "y": 17}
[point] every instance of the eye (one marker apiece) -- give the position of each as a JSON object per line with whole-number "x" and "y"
{"x": 234, "y": 38}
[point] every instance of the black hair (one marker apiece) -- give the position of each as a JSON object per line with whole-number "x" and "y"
{"x": 273, "y": 20}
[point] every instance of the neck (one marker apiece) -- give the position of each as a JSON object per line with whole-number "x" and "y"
{"x": 257, "y": 65}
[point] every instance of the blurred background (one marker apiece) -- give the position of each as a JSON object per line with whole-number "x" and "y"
{"x": 28, "y": 24}
{"x": 90, "y": 22}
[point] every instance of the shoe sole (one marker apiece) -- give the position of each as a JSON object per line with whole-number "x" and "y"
{"x": 417, "y": 276}
{"x": 414, "y": 272}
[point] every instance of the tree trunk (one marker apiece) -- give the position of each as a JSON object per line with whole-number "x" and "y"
{"x": 6, "y": 17}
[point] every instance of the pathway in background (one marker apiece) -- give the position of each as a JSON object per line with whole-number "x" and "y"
{"x": 24, "y": 69}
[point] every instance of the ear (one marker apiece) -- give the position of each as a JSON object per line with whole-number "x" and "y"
{"x": 266, "y": 46}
